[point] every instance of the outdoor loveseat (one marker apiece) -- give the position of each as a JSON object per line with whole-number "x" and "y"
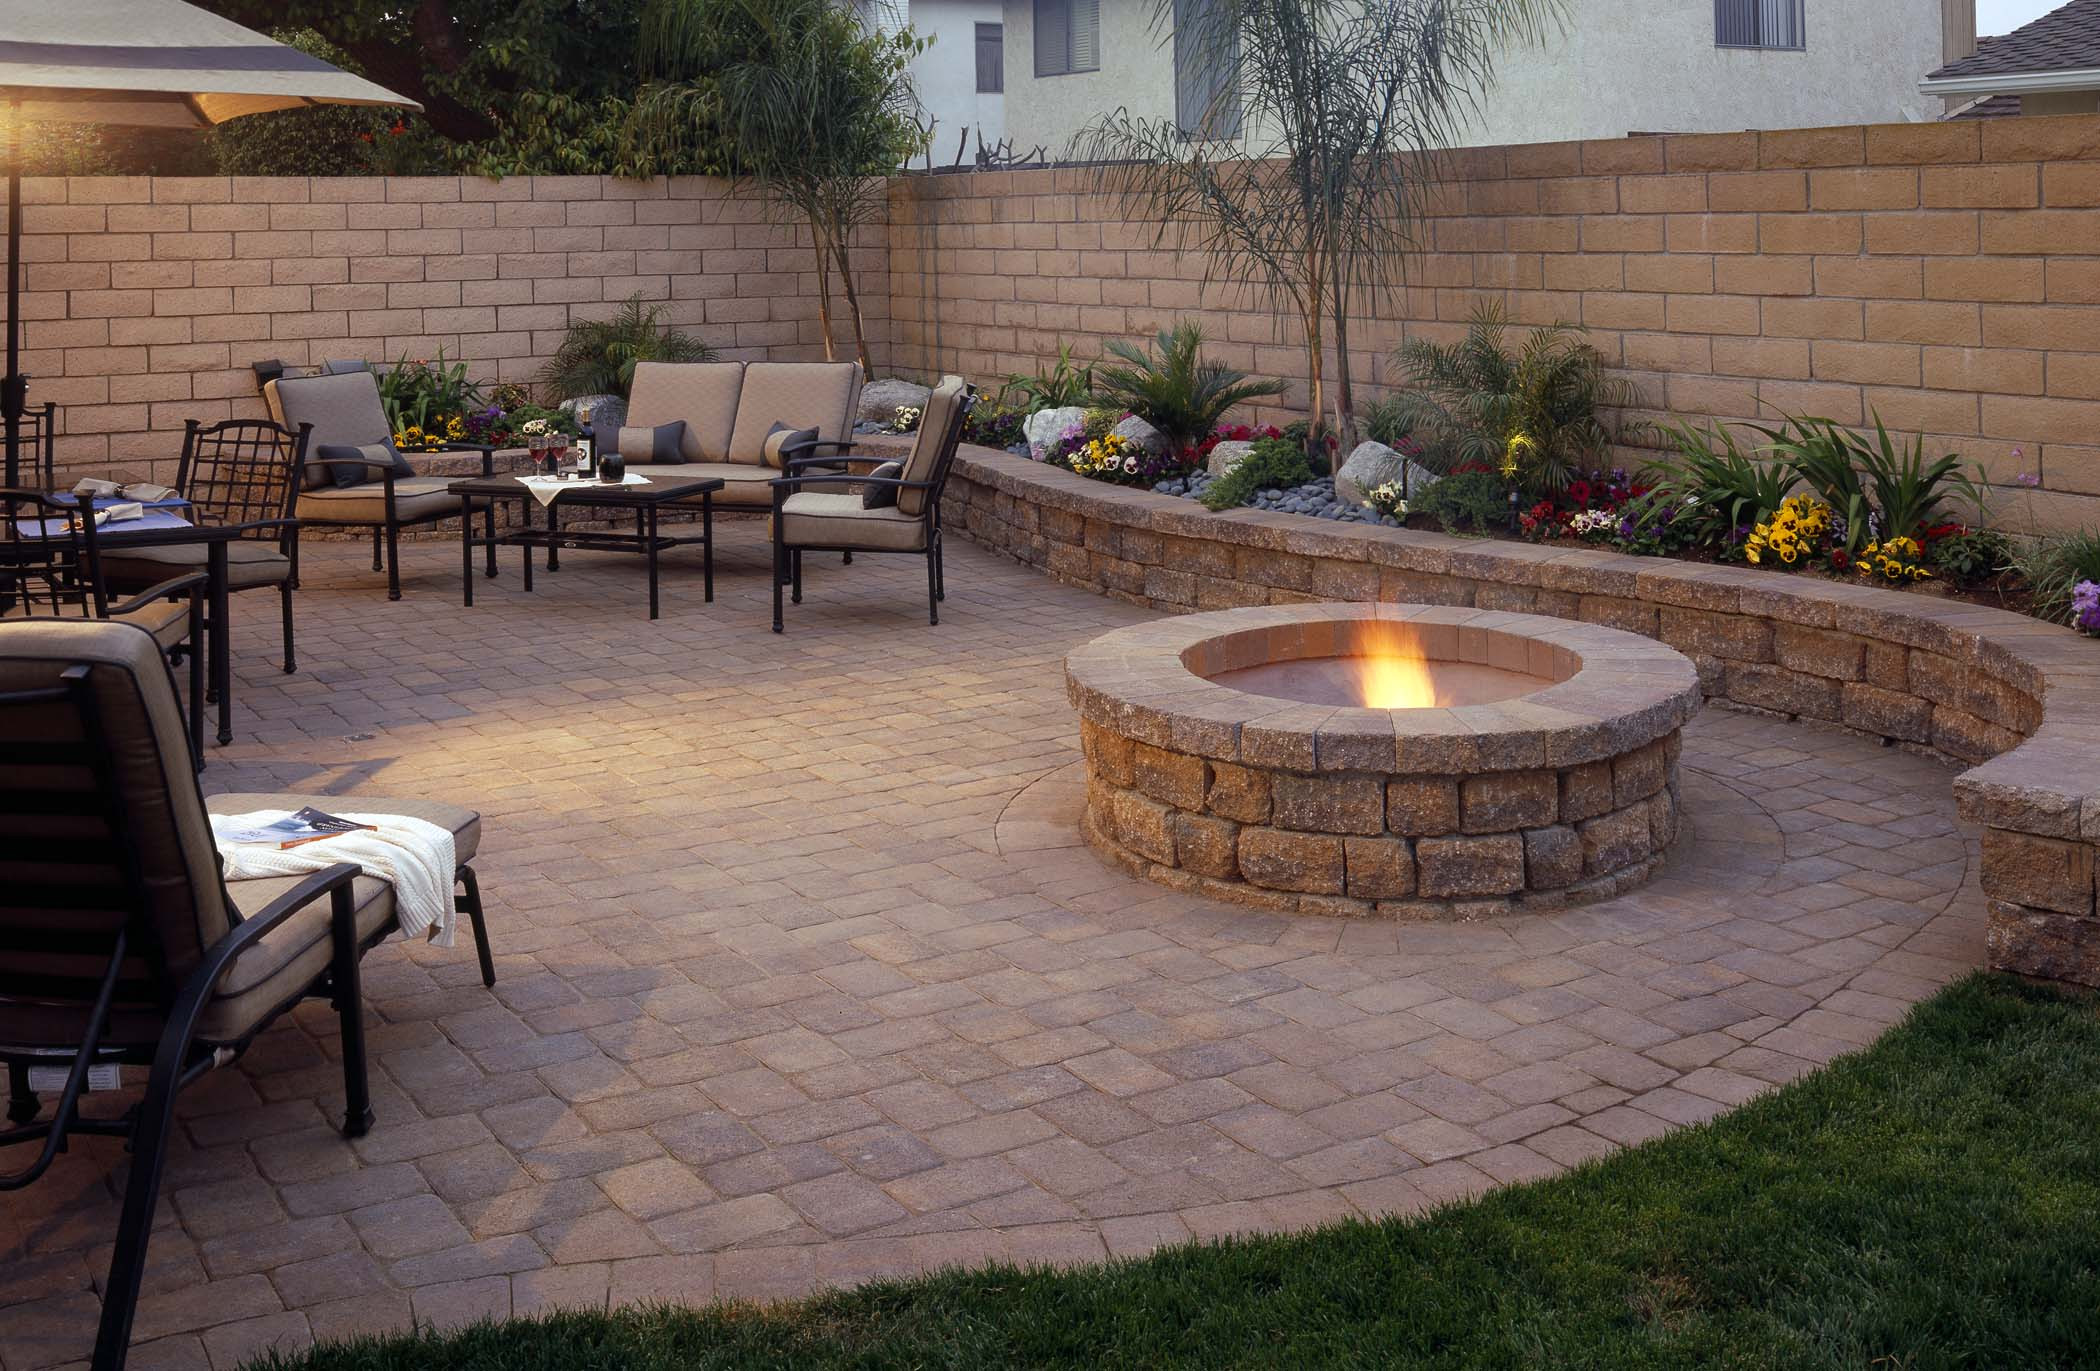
{"x": 740, "y": 422}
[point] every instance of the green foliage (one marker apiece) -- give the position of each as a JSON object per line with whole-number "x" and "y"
{"x": 1272, "y": 462}
{"x": 598, "y": 356}
{"x": 1066, "y": 383}
{"x": 1969, "y": 556}
{"x": 1177, "y": 392}
{"x": 993, "y": 426}
{"x": 1466, "y": 502}
{"x": 1716, "y": 485}
{"x": 324, "y": 140}
{"x": 1853, "y": 473}
{"x": 1924, "y": 1203}
{"x": 1302, "y": 179}
{"x": 1478, "y": 402}
{"x": 555, "y": 133}
{"x": 423, "y": 394}
{"x": 2053, "y": 566}
{"x": 1390, "y": 421}
{"x": 1097, "y": 423}
{"x": 815, "y": 107}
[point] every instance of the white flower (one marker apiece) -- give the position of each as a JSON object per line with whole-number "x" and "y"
{"x": 533, "y": 428}
{"x": 1130, "y": 465}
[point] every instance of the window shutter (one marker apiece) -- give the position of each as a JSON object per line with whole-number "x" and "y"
{"x": 1086, "y": 35}
{"x": 1053, "y": 37}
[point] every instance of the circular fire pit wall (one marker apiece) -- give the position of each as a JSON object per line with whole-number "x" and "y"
{"x": 1405, "y": 760}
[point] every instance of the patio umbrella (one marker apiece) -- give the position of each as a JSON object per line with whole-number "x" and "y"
{"x": 161, "y": 63}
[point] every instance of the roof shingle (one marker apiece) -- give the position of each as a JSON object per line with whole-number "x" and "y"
{"x": 2064, "y": 39}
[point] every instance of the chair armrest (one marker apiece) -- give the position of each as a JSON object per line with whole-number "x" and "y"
{"x": 797, "y": 482}
{"x": 192, "y": 581}
{"x": 845, "y": 453}
{"x": 299, "y": 896}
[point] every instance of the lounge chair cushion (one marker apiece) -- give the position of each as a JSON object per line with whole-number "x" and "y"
{"x": 250, "y": 562}
{"x": 663, "y": 445}
{"x": 351, "y": 465}
{"x": 344, "y": 410}
{"x": 167, "y": 620}
{"x": 744, "y": 487}
{"x": 816, "y": 518}
{"x": 819, "y": 395}
{"x": 296, "y": 953}
{"x": 703, "y": 394}
{"x": 415, "y": 498}
{"x": 934, "y": 422}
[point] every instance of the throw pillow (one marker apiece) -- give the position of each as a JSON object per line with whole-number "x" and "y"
{"x": 882, "y": 497}
{"x": 779, "y": 438}
{"x": 346, "y": 463}
{"x": 663, "y": 445}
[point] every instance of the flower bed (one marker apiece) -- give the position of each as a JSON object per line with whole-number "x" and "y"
{"x": 1969, "y": 682}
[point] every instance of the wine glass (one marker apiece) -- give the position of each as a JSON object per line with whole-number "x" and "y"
{"x": 558, "y": 449}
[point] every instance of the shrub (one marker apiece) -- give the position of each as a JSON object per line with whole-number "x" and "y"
{"x": 1273, "y": 462}
{"x": 323, "y": 140}
{"x": 1861, "y": 478}
{"x": 1538, "y": 408}
{"x": 1466, "y": 501}
{"x": 994, "y": 425}
{"x": 1066, "y": 383}
{"x": 1719, "y": 487}
{"x": 2053, "y": 568}
{"x": 1966, "y": 556}
{"x": 598, "y": 356}
{"x": 1177, "y": 392}
{"x": 425, "y": 396}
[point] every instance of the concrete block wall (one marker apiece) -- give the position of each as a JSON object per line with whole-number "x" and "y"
{"x": 147, "y": 298}
{"x": 1945, "y": 276}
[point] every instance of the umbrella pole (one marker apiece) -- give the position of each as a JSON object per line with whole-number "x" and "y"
{"x": 14, "y": 389}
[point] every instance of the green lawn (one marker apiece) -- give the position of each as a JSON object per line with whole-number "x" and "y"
{"x": 1932, "y": 1202}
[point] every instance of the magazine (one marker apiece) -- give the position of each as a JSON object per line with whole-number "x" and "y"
{"x": 309, "y": 825}
{"x": 93, "y": 488}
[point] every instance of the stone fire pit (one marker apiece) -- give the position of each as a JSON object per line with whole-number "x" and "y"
{"x": 1534, "y": 764}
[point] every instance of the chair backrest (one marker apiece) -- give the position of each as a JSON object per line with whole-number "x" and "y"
{"x": 36, "y": 448}
{"x": 342, "y": 410}
{"x": 818, "y": 395}
{"x": 702, "y": 394}
{"x": 241, "y": 471}
{"x": 933, "y": 450}
{"x": 104, "y": 829}
{"x": 49, "y": 566}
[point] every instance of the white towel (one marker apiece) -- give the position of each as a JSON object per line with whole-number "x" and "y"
{"x": 415, "y": 855}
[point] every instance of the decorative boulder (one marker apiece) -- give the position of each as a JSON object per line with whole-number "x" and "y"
{"x": 1045, "y": 427}
{"x": 1141, "y": 433}
{"x": 880, "y": 400}
{"x": 608, "y": 412}
{"x": 1372, "y": 465}
{"x": 1225, "y": 456}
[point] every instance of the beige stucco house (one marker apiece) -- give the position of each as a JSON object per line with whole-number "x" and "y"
{"x": 1620, "y": 66}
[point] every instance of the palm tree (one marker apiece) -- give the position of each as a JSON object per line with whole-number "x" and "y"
{"x": 1179, "y": 394}
{"x": 1301, "y": 177}
{"x": 816, "y": 107}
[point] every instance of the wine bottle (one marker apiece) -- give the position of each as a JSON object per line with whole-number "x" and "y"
{"x": 586, "y": 443}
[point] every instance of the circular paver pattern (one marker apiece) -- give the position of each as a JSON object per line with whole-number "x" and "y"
{"x": 805, "y": 976}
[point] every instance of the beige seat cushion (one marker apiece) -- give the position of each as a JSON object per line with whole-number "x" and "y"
{"x": 744, "y": 487}
{"x": 415, "y": 497}
{"x": 167, "y": 620}
{"x": 813, "y": 518}
{"x": 297, "y": 952}
{"x": 250, "y": 562}
{"x": 702, "y": 394}
{"x": 818, "y": 395}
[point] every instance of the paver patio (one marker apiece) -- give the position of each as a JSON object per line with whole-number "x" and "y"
{"x": 804, "y": 977}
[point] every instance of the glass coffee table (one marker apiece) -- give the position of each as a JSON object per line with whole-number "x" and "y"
{"x": 643, "y": 499}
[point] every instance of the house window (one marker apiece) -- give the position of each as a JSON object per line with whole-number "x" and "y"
{"x": 1067, "y": 36}
{"x": 1760, "y": 24}
{"x": 991, "y": 59}
{"x": 1206, "y": 72}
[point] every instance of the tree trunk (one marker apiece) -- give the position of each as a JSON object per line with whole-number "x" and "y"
{"x": 860, "y": 332}
{"x": 817, "y": 238}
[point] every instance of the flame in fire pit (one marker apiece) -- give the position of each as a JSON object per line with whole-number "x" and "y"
{"x": 1392, "y": 674}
